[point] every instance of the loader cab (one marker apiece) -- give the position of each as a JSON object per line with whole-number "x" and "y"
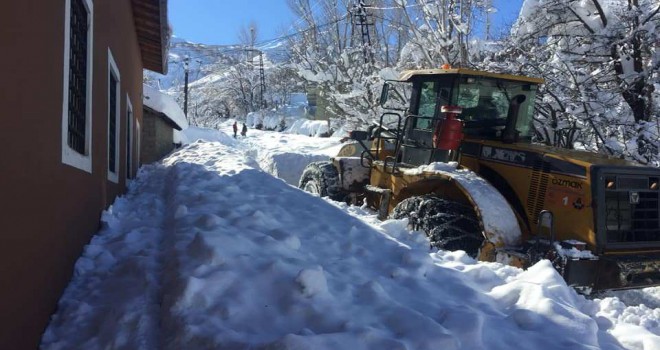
{"x": 496, "y": 107}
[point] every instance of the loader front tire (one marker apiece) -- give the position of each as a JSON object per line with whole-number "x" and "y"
{"x": 449, "y": 225}
{"x": 322, "y": 179}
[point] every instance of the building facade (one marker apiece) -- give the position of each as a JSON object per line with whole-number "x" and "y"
{"x": 157, "y": 136}
{"x": 163, "y": 119}
{"x": 71, "y": 108}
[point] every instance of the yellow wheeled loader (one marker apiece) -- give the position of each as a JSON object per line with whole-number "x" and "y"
{"x": 458, "y": 162}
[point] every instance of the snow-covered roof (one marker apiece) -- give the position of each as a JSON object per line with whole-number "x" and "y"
{"x": 166, "y": 105}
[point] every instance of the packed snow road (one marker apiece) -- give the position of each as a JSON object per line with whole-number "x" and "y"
{"x": 208, "y": 251}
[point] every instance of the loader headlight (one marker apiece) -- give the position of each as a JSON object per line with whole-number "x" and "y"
{"x": 610, "y": 183}
{"x": 653, "y": 183}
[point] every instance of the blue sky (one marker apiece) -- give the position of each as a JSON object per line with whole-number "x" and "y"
{"x": 219, "y": 21}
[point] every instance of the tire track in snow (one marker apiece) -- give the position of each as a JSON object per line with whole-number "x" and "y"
{"x": 113, "y": 300}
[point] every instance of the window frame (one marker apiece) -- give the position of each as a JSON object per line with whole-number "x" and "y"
{"x": 423, "y": 123}
{"x": 70, "y": 156}
{"x": 114, "y": 70}
{"x": 138, "y": 143}
{"x": 441, "y": 84}
{"x": 130, "y": 138}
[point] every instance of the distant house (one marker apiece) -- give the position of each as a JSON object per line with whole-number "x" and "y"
{"x": 320, "y": 107}
{"x": 71, "y": 105}
{"x": 298, "y": 105}
{"x": 162, "y": 119}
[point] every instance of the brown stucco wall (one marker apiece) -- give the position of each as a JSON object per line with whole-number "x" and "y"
{"x": 114, "y": 29}
{"x": 49, "y": 211}
{"x": 157, "y": 138}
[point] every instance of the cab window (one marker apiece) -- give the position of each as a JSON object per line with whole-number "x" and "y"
{"x": 483, "y": 101}
{"x": 486, "y": 105}
{"x": 427, "y": 104}
{"x": 432, "y": 95}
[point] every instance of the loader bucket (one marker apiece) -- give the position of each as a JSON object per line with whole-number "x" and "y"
{"x": 611, "y": 272}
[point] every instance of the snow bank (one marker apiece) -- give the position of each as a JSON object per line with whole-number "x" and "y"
{"x": 288, "y": 166}
{"x": 280, "y": 154}
{"x": 192, "y": 134}
{"x": 269, "y": 122}
{"x": 308, "y": 127}
{"x": 290, "y": 125}
{"x": 276, "y": 267}
{"x": 208, "y": 251}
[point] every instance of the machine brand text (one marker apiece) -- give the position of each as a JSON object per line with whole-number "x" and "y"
{"x": 567, "y": 183}
{"x": 505, "y": 155}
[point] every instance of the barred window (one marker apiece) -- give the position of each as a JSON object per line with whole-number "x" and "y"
{"x": 76, "y": 131}
{"x": 77, "y": 76}
{"x": 112, "y": 124}
{"x": 114, "y": 118}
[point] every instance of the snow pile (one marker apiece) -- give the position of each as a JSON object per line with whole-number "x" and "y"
{"x": 433, "y": 167}
{"x": 634, "y": 327}
{"x": 288, "y": 166}
{"x": 271, "y": 151}
{"x": 280, "y": 154}
{"x": 179, "y": 137}
{"x": 268, "y": 122}
{"x": 308, "y": 127}
{"x": 193, "y": 134}
{"x": 573, "y": 252}
{"x": 207, "y": 251}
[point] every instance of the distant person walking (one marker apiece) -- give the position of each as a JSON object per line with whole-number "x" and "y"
{"x": 235, "y": 128}
{"x": 244, "y": 130}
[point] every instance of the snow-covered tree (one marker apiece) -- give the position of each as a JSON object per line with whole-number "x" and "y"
{"x": 328, "y": 56}
{"x": 439, "y": 31}
{"x": 600, "y": 60}
{"x": 333, "y": 52}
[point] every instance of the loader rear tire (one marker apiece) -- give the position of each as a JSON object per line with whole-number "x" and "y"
{"x": 322, "y": 179}
{"x": 448, "y": 224}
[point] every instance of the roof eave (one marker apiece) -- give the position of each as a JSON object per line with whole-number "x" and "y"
{"x": 151, "y": 26}
{"x": 165, "y": 118}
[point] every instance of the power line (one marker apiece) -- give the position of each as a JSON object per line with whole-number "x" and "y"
{"x": 305, "y": 30}
{"x": 214, "y": 52}
{"x": 299, "y": 21}
{"x": 217, "y": 52}
{"x": 371, "y": 7}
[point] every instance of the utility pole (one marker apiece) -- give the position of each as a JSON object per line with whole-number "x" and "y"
{"x": 262, "y": 80}
{"x": 360, "y": 17}
{"x": 489, "y": 10}
{"x": 185, "y": 87}
{"x": 262, "y": 73}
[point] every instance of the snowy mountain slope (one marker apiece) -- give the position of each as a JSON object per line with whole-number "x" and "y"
{"x": 205, "y": 60}
{"x": 208, "y": 251}
{"x": 219, "y": 86}
{"x": 201, "y": 57}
